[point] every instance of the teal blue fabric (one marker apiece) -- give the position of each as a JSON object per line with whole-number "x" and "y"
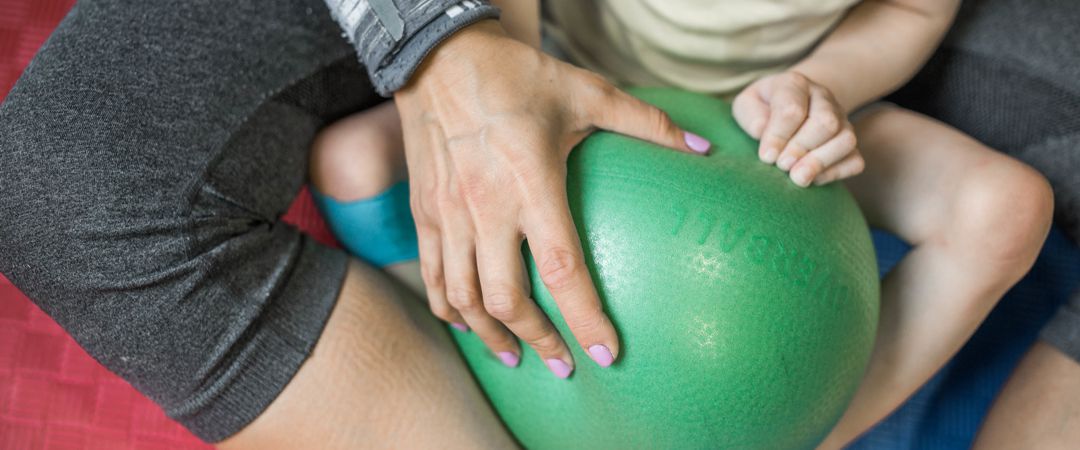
{"x": 379, "y": 230}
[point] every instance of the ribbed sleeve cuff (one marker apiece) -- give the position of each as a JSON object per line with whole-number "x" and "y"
{"x": 392, "y": 37}
{"x": 398, "y": 69}
{"x": 288, "y": 330}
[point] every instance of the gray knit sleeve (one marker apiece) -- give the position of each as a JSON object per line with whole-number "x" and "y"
{"x": 392, "y": 37}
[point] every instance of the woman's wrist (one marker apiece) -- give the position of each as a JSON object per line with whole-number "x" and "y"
{"x": 521, "y": 20}
{"x": 450, "y": 61}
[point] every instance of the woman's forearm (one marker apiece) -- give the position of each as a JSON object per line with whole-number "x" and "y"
{"x": 878, "y": 47}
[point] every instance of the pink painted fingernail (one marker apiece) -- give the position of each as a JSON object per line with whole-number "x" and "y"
{"x": 601, "y": 355}
{"x": 559, "y": 367}
{"x": 696, "y": 143}
{"x": 460, "y": 327}
{"x": 509, "y": 359}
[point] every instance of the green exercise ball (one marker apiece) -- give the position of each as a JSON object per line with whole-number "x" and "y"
{"x": 746, "y": 306}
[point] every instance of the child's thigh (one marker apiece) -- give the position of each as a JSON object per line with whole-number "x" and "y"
{"x": 924, "y": 179}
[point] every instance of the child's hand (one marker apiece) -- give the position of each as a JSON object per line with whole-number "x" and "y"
{"x": 802, "y": 129}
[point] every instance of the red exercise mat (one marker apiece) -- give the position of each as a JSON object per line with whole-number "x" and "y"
{"x": 52, "y": 394}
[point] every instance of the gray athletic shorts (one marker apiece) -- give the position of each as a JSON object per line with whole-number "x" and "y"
{"x": 148, "y": 154}
{"x": 1007, "y": 75}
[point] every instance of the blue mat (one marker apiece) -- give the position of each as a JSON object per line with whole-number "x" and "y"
{"x": 947, "y": 411}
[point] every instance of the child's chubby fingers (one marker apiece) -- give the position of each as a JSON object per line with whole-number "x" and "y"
{"x": 846, "y": 168}
{"x": 788, "y": 96}
{"x": 824, "y": 121}
{"x": 824, "y": 157}
{"x": 751, "y": 111}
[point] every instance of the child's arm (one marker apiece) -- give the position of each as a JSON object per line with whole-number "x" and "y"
{"x": 876, "y": 48}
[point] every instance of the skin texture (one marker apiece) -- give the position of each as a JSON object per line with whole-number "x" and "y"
{"x": 801, "y": 116}
{"x": 975, "y": 219}
{"x": 1039, "y": 407}
{"x": 920, "y": 176}
{"x": 486, "y": 142}
{"x": 384, "y": 374}
{"x": 801, "y": 126}
{"x": 521, "y": 20}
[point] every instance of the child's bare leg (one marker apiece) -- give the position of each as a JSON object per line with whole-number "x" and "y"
{"x": 1039, "y": 407}
{"x": 976, "y": 220}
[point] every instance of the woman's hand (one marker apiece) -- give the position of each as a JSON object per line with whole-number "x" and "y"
{"x": 802, "y": 128}
{"x": 488, "y": 125}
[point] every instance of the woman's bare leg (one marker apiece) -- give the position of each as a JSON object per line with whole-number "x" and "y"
{"x": 1039, "y": 407}
{"x": 384, "y": 374}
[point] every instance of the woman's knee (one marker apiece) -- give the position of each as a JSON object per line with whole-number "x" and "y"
{"x": 359, "y": 156}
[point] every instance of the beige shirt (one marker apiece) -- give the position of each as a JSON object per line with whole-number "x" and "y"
{"x": 711, "y": 46}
